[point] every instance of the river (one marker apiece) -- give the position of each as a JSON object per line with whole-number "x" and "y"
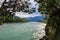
{"x": 22, "y": 31}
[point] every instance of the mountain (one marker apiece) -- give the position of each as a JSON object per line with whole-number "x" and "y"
{"x": 36, "y": 19}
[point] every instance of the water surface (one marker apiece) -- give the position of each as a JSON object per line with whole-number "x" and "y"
{"x": 18, "y": 31}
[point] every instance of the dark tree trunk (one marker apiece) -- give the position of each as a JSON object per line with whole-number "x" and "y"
{"x": 53, "y": 25}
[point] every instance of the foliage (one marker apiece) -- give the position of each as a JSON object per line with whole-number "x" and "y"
{"x": 19, "y": 20}
{"x": 8, "y": 8}
{"x": 46, "y": 5}
{"x": 52, "y": 8}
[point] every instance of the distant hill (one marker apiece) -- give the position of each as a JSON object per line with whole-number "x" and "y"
{"x": 36, "y": 19}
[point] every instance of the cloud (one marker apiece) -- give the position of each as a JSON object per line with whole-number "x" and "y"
{"x": 25, "y": 15}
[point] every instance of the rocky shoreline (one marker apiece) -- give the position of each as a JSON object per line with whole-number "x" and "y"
{"x": 40, "y": 31}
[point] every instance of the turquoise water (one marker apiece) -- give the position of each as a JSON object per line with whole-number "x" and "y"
{"x": 17, "y": 31}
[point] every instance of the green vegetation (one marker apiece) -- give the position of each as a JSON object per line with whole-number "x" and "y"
{"x": 17, "y": 20}
{"x": 52, "y": 9}
{"x": 58, "y": 0}
{"x": 7, "y": 18}
{"x": 7, "y": 12}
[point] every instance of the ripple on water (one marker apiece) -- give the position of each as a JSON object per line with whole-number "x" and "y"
{"x": 22, "y": 31}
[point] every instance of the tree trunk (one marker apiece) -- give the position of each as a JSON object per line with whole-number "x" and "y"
{"x": 53, "y": 26}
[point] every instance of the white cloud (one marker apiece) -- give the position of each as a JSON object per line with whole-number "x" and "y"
{"x": 25, "y": 15}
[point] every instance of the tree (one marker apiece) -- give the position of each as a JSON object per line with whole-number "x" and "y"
{"x": 9, "y": 7}
{"x": 51, "y": 8}
{"x": 7, "y": 11}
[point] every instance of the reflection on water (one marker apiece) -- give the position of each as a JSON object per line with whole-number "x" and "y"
{"x": 19, "y": 31}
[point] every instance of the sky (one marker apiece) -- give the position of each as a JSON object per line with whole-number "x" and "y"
{"x": 34, "y": 4}
{"x": 1, "y": 1}
{"x": 25, "y": 15}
